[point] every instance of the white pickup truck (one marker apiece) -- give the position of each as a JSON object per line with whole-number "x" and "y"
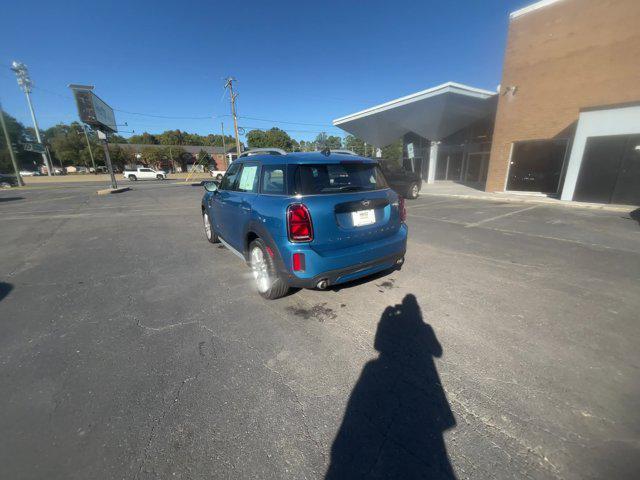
{"x": 144, "y": 173}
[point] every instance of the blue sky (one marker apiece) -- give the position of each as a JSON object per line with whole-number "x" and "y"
{"x": 303, "y": 62}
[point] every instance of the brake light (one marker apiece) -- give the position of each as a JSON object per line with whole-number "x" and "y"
{"x": 299, "y": 226}
{"x": 402, "y": 210}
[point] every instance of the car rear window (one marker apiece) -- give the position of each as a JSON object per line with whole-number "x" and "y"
{"x": 338, "y": 177}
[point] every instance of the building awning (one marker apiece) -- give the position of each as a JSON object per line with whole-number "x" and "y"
{"x": 434, "y": 114}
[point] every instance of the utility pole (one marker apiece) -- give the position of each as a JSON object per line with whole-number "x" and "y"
{"x": 25, "y": 83}
{"x": 229, "y": 85}
{"x": 224, "y": 144}
{"x": 10, "y": 148}
{"x": 93, "y": 162}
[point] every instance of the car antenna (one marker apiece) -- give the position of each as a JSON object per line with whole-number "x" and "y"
{"x": 326, "y": 151}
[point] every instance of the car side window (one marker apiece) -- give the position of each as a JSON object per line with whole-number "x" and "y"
{"x": 230, "y": 177}
{"x": 272, "y": 180}
{"x": 248, "y": 179}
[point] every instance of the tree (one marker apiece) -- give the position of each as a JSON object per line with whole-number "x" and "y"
{"x": 321, "y": 141}
{"x": 215, "y": 140}
{"x": 69, "y": 144}
{"x": 333, "y": 142}
{"x": 115, "y": 138}
{"x": 393, "y": 151}
{"x": 145, "y": 139}
{"x": 354, "y": 144}
{"x": 273, "y": 137}
{"x": 18, "y": 135}
{"x": 152, "y": 156}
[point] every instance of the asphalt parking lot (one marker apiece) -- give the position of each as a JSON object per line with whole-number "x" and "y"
{"x": 506, "y": 347}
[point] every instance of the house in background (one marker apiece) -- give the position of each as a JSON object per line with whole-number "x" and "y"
{"x": 188, "y": 160}
{"x": 565, "y": 120}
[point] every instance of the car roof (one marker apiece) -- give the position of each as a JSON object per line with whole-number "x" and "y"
{"x": 305, "y": 158}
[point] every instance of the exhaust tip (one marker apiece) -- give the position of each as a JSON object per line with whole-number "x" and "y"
{"x": 322, "y": 284}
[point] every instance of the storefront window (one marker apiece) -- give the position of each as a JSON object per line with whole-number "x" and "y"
{"x": 536, "y": 166}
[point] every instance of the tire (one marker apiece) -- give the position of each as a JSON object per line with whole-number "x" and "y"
{"x": 159, "y": 177}
{"x": 413, "y": 191}
{"x": 133, "y": 178}
{"x": 265, "y": 274}
{"x": 209, "y": 233}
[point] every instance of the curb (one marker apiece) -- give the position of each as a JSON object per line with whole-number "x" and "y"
{"x": 107, "y": 191}
{"x": 557, "y": 203}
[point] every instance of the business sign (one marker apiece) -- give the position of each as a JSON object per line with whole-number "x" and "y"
{"x": 92, "y": 110}
{"x": 33, "y": 147}
{"x": 410, "y": 152}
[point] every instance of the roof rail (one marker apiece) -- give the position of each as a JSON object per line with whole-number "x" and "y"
{"x": 343, "y": 152}
{"x": 263, "y": 151}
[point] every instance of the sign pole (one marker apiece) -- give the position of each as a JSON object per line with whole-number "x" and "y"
{"x": 105, "y": 145}
{"x": 86, "y": 135}
{"x": 10, "y": 148}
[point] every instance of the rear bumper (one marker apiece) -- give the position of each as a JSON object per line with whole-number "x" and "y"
{"x": 346, "y": 274}
{"x": 344, "y": 265}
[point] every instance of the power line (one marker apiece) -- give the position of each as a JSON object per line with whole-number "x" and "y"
{"x": 203, "y": 117}
{"x": 169, "y": 117}
{"x": 288, "y": 122}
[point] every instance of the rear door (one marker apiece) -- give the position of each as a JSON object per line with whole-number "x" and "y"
{"x": 238, "y": 204}
{"x": 222, "y": 219}
{"x": 349, "y": 202}
{"x": 146, "y": 173}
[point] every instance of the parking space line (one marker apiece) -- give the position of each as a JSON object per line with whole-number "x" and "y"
{"x": 411, "y": 207}
{"x": 475, "y": 224}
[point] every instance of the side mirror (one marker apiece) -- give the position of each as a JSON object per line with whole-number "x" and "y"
{"x": 210, "y": 186}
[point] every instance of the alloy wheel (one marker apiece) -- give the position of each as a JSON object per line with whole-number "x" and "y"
{"x": 260, "y": 270}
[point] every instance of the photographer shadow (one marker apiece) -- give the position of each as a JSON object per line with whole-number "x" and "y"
{"x": 397, "y": 413}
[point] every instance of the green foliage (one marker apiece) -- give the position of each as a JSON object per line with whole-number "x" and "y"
{"x": 18, "y": 135}
{"x": 178, "y": 137}
{"x": 355, "y": 144}
{"x": 273, "y": 137}
{"x": 393, "y": 151}
{"x": 145, "y": 139}
{"x": 68, "y": 144}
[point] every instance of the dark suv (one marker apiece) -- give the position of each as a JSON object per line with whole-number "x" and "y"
{"x": 404, "y": 182}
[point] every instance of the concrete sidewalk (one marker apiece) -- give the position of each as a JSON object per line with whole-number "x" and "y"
{"x": 458, "y": 190}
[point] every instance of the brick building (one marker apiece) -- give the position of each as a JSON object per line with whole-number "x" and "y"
{"x": 187, "y": 159}
{"x": 565, "y": 120}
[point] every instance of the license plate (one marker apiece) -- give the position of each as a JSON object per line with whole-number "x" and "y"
{"x": 363, "y": 217}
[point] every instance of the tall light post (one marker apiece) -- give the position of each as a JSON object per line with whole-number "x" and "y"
{"x": 25, "y": 83}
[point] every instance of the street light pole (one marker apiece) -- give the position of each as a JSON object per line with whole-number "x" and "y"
{"x": 24, "y": 81}
{"x": 10, "y": 148}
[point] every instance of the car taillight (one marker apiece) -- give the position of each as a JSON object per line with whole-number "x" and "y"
{"x": 299, "y": 227}
{"x": 402, "y": 210}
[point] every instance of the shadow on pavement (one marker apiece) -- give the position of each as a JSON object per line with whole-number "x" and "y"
{"x": 5, "y": 288}
{"x": 10, "y": 199}
{"x": 397, "y": 413}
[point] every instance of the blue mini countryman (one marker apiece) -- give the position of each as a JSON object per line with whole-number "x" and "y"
{"x": 309, "y": 220}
